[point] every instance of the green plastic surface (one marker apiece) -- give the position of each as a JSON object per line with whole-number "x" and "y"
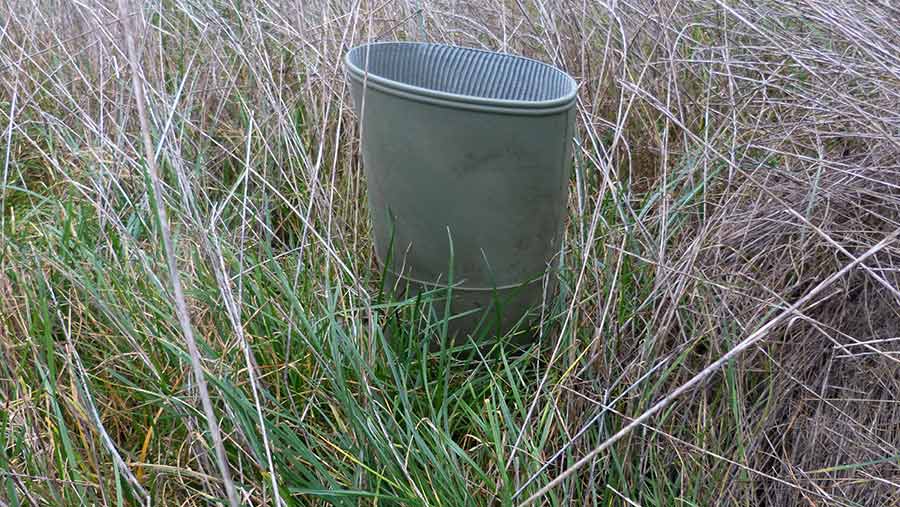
{"x": 484, "y": 165}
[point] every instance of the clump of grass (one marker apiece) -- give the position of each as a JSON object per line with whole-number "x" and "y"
{"x": 725, "y": 331}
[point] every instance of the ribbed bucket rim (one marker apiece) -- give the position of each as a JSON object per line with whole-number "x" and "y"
{"x": 412, "y": 91}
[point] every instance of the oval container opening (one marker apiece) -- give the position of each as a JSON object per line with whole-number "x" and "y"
{"x": 461, "y": 74}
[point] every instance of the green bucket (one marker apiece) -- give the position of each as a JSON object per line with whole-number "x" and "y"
{"x": 466, "y": 155}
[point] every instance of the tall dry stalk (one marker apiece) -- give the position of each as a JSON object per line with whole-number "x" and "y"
{"x": 181, "y": 310}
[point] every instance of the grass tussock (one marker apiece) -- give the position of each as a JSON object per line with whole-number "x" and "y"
{"x": 726, "y": 330}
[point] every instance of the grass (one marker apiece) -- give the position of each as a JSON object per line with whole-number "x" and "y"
{"x": 725, "y": 330}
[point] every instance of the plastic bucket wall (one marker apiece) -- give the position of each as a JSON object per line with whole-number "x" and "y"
{"x": 467, "y": 146}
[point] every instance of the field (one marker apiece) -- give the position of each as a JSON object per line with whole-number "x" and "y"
{"x": 191, "y": 313}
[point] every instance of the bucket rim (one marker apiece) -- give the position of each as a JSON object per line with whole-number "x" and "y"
{"x": 453, "y": 99}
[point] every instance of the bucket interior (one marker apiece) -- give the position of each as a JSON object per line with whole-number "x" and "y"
{"x": 466, "y": 72}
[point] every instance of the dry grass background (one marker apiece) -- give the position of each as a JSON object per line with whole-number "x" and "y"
{"x": 734, "y": 155}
